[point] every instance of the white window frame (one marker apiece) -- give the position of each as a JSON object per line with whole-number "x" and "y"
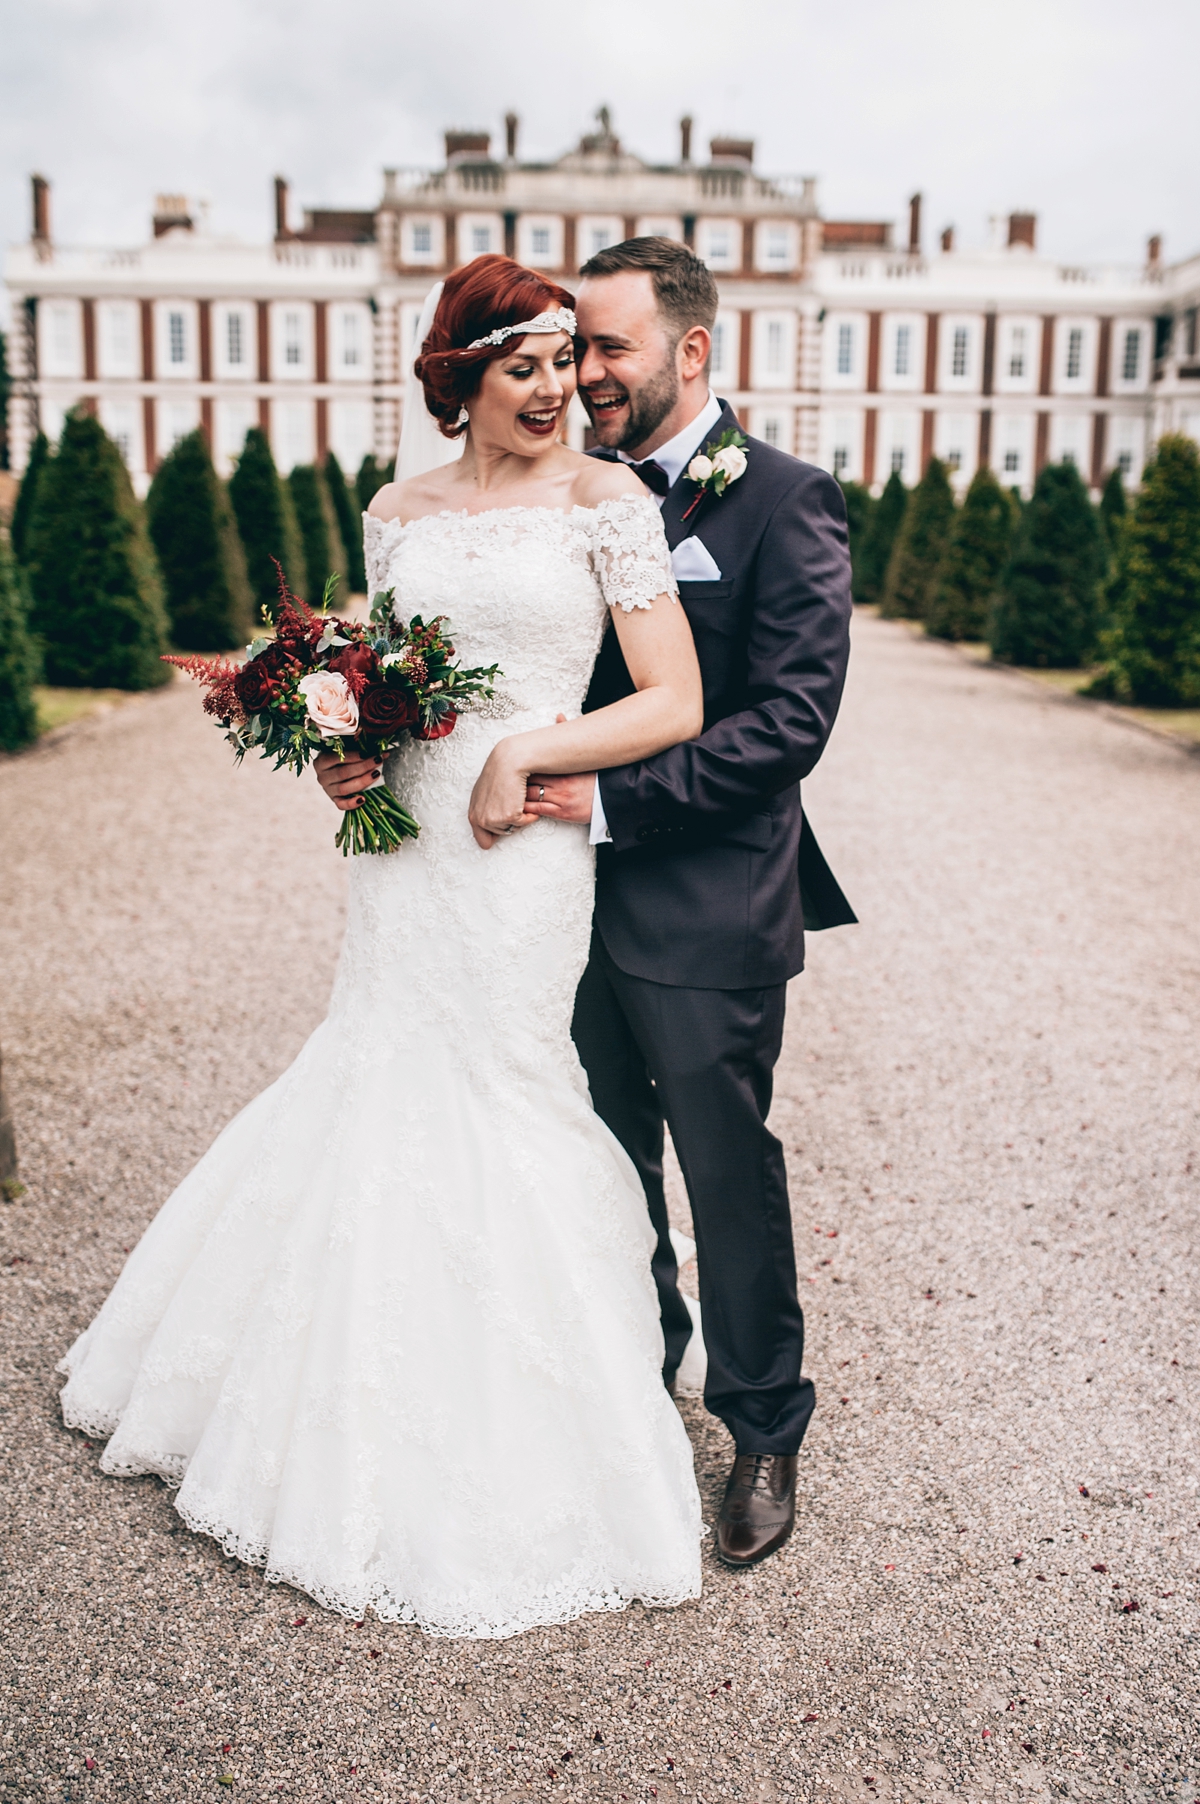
{"x": 914, "y": 381}
{"x": 842, "y": 432}
{"x": 588, "y": 226}
{"x": 293, "y": 432}
{"x": 111, "y": 316}
{"x": 435, "y": 255}
{"x": 1003, "y": 380}
{"x": 660, "y": 225}
{"x": 1084, "y": 383}
{"x": 970, "y": 382}
{"x": 223, "y": 369}
{"x": 284, "y": 336}
{"x": 469, "y": 224}
{"x": 339, "y": 316}
{"x": 726, "y": 372}
{"x": 1013, "y": 433}
{"x": 121, "y": 418}
{"x": 233, "y": 416}
{"x": 898, "y": 430}
{"x": 60, "y": 338}
{"x": 351, "y": 431}
{"x": 957, "y": 433}
{"x": 530, "y": 223}
{"x": 175, "y": 417}
{"x": 773, "y": 349}
{"x": 165, "y": 368}
{"x": 707, "y": 232}
{"x": 1071, "y": 441}
{"x": 776, "y": 246}
{"x": 1140, "y": 382}
{"x": 834, "y": 324}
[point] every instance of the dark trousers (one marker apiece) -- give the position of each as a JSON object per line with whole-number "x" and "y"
{"x": 702, "y": 1060}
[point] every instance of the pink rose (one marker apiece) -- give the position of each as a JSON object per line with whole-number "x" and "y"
{"x": 331, "y": 707}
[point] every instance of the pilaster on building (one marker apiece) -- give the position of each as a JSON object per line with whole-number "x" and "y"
{"x": 833, "y": 341}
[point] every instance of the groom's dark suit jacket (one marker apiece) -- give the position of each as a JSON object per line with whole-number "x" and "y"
{"x": 713, "y": 872}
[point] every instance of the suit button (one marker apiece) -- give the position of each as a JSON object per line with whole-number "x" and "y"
{"x": 643, "y": 834}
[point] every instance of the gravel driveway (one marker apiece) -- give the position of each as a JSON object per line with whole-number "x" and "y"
{"x": 989, "y": 1100}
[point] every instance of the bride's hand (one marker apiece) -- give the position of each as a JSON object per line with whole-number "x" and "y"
{"x": 498, "y": 798}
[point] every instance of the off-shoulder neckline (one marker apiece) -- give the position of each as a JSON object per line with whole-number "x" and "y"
{"x": 490, "y": 513}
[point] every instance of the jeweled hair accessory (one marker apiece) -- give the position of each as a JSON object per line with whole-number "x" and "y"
{"x": 560, "y": 320}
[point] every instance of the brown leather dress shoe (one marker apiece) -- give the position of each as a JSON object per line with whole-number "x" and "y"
{"x": 759, "y": 1507}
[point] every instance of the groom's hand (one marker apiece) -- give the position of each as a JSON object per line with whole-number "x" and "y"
{"x": 345, "y": 779}
{"x": 562, "y": 798}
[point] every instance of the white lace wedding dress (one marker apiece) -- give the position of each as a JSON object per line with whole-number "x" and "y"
{"x": 395, "y": 1337}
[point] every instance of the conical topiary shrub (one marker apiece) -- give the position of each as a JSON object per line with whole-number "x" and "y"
{"x": 96, "y": 588}
{"x": 879, "y": 540}
{"x": 859, "y": 506}
{"x": 980, "y": 541}
{"x": 1152, "y": 648}
{"x": 370, "y": 479}
{"x": 20, "y": 658}
{"x": 209, "y": 603}
{"x": 912, "y": 572}
{"x": 324, "y": 553}
{"x": 18, "y": 531}
{"x": 1047, "y": 607}
{"x": 349, "y": 519}
{"x": 1113, "y": 508}
{"x": 266, "y": 522}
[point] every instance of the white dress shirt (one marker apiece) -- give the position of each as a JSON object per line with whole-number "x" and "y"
{"x": 673, "y": 458}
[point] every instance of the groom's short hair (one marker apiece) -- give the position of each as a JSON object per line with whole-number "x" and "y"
{"x": 683, "y": 286}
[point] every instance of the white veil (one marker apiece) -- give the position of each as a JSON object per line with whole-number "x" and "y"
{"x": 422, "y": 446}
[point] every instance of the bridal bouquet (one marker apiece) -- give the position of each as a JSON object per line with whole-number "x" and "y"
{"x": 323, "y": 684}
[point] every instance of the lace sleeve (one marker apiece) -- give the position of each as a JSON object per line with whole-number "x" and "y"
{"x": 629, "y": 553}
{"x": 375, "y": 552}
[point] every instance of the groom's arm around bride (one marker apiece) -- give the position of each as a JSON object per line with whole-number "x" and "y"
{"x": 706, "y": 869}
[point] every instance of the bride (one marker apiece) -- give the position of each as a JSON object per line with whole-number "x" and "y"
{"x": 395, "y": 1337}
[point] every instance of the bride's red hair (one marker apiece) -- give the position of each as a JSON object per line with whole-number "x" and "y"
{"x": 484, "y": 294}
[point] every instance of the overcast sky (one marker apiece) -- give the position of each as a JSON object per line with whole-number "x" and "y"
{"x": 1084, "y": 111}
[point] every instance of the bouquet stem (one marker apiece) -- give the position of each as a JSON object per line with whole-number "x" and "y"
{"x": 379, "y": 824}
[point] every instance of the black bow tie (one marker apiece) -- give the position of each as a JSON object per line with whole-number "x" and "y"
{"x": 653, "y": 475}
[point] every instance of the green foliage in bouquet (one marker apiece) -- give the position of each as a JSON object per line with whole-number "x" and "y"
{"x": 209, "y": 602}
{"x": 266, "y": 522}
{"x": 887, "y": 515}
{"x": 349, "y": 520}
{"x": 91, "y": 568}
{"x": 370, "y": 479}
{"x": 18, "y": 531}
{"x": 1047, "y": 607}
{"x": 912, "y": 572}
{"x": 319, "y": 535}
{"x": 1152, "y": 649}
{"x": 20, "y": 658}
{"x": 324, "y": 684}
{"x": 980, "y": 541}
{"x": 859, "y": 507}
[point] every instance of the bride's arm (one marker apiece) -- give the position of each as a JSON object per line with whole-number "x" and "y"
{"x": 667, "y": 708}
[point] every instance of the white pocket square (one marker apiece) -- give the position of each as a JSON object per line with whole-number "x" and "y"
{"x": 693, "y": 562}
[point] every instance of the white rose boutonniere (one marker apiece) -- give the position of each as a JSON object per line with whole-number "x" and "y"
{"x": 719, "y": 464}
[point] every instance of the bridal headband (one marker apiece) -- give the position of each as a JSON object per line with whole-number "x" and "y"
{"x": 560, "y": 320}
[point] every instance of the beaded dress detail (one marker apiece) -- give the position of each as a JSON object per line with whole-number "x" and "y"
{"x": 395, "y": 1337}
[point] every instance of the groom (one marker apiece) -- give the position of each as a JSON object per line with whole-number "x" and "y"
{"x": 707, "y": 872}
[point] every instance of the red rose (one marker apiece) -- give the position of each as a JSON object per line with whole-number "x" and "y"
{"x": 257, "y": 686}
{"x": 358, "y": 664}
{"x": 442, "y": 725}
{"x": 385, "y": 708}
{"x": 278, "y": 657}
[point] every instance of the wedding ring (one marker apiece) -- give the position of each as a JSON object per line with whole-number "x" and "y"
{"x": 541, "y": 792}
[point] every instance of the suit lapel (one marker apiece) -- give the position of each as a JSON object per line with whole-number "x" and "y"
{"x": 680, "y": 497}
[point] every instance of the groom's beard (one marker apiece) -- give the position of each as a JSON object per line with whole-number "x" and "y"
{"x": 627, "y": 427}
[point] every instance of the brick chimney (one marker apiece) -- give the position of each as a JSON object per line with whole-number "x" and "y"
{"x": 1154, "y": 252}
{"x": 171, "y": 213}
{"x": 685, "y": 138}
{"x": 914, "y": 226}
{"x": 511, "y": 126}
{"x": 468, "y": 146}
{"x": 282, "y": 229}
{"x": 948, "y": 240}
{"x": 1022, "y": 229}
{"x": 736, "y": 151}
{"x": 41, "y": 210}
